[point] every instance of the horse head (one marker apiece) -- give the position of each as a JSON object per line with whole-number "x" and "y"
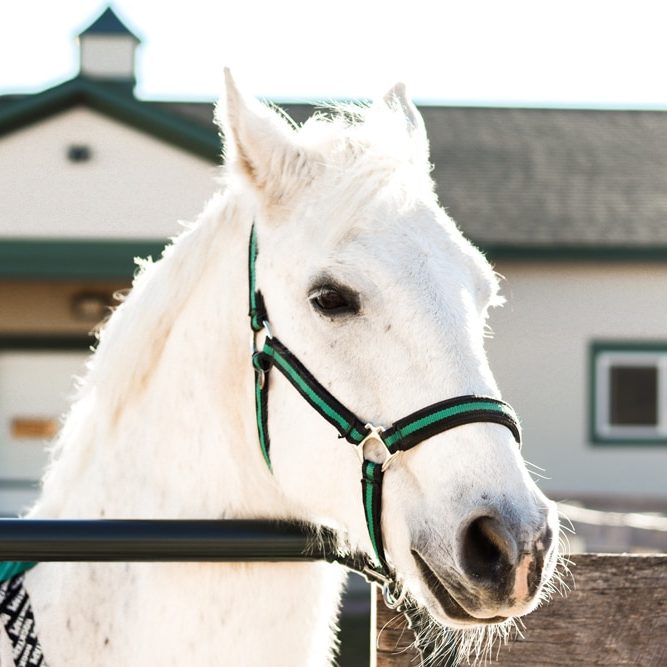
{"x": 373, "y": 287}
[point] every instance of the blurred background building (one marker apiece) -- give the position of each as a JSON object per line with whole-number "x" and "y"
{"x": 569, "y": 205}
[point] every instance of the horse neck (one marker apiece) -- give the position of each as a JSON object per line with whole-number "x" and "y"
{"x": 165, "y": 428}
{"x": 164, "y": 425}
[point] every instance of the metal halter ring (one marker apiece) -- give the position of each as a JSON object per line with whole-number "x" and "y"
{"x": 259, "y": 368}
{"x": 374, "y": 433}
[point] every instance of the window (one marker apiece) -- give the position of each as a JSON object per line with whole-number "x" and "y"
{"x": 629, "y": 393}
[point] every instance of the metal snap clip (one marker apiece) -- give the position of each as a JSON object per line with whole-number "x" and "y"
{"x": 390, "y": 598}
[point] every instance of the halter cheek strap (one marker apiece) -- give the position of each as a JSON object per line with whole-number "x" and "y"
{"x": 377, "y": 446}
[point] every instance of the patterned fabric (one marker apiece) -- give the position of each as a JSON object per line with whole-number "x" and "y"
{"x": 17, "y": 617}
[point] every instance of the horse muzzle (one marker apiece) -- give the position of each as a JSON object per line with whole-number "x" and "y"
{"x": 498, "y": 572}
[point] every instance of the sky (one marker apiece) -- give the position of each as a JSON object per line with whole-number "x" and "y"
{"x": 581, "y": 53}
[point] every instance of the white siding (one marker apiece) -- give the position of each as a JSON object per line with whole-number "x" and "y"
{"x": 134, "y": 186}
{"x": 108, "y": 56}
{"x": 540, "y": 356}
{"x": 33, "y": 385}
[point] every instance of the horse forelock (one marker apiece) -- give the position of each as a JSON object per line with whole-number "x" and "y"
{"x": 362, "y": 140}
{"x": 349, "y": 153}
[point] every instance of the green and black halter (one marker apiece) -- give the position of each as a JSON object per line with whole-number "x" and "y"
{"x": 371, "y": 441}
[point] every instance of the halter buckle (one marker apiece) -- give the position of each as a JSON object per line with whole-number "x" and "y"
{"x": 254, "y": 334}
{"x": 267, "y": 328}
{"x": 261, "y": 364}
{"x": 261, "y": 372}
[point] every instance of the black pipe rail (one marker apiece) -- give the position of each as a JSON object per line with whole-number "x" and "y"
{"x": 162, "y": 541}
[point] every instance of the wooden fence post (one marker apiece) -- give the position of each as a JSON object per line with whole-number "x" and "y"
{"x": 615, "y": 614}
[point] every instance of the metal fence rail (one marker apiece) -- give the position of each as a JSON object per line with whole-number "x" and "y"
{"x": 161, "y": 540}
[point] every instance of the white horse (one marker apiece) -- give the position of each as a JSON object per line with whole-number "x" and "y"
{"x": 375, "y": 289}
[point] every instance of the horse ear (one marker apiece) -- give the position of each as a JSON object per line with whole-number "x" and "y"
{"x": 397, "y": 100}
{"x": 257, "y": 140}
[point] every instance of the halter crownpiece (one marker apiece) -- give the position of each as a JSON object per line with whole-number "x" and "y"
{"x": 378, "y": 447}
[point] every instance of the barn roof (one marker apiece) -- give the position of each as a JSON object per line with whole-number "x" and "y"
{"x": 116, "y": 101}
{"x": 544, "y": 183}
{"x": 553, "y": 177}
{"x": 525, "y": 183}
{"x": 108, "y": 23}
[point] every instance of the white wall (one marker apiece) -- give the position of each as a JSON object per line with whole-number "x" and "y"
{"x": 34, "y": 385}
{"x": 107, "y": 56}
{"x": 134, "y": 186}
{"x": 540, "y": 358}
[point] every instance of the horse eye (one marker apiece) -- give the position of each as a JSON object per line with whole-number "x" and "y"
{"x": 331, "y": 300}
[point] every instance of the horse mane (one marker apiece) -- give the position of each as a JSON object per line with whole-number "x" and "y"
{"x": 132, "y": 339}
{"x": 365, "y": 145}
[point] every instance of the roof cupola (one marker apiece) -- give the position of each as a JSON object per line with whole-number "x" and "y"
{"x": 107, "y": 49}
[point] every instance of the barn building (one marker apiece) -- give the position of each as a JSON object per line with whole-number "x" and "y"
{"x": 570, "y": 206}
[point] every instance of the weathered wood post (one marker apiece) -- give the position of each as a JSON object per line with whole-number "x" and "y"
{"x": 615, "y": 614}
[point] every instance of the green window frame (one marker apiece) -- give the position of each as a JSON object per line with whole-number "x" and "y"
{"x": 608, "y": 361}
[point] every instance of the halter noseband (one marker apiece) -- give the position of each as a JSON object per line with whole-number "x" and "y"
{"x": 378, "y": 447}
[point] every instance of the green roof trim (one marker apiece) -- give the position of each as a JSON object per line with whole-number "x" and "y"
{"x": 108, "y": 23}
{"x": 39, "y": 342}
{"x": 100, "y": 259}
{"x": 38, "y": 259}
{"x": 573, "y": 253}
{"x": 115, "y": 101}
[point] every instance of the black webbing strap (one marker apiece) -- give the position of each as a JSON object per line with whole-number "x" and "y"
{"x": 258, "y": 316}
{"x": 328, "y": 406}
{"x": 257, "y": 309}
{"x": 371, "y": 491}
{"x": 262, "y": 368}
{"x": 445, "y": 415}
{"x": 19, "y": 622}
{"x": 400, "y": 436}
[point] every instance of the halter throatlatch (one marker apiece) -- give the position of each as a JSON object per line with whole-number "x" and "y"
{"x": 378, "y": 447}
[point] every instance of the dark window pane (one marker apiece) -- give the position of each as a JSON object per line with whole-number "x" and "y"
{"x": 633, "y": 396}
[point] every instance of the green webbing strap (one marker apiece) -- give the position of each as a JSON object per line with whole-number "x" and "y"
{"x": 400, "y": 436}
{"x": 10, "y": 568}
{"x": 262, "y": 405}
{"x": 371, "y": 491}
{"x": 257, "y": 310}
{"x": 328, "y": 406}
{"x": 438, "y": 417}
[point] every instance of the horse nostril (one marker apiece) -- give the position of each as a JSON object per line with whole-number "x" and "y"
{"x": 488, "y": 548}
